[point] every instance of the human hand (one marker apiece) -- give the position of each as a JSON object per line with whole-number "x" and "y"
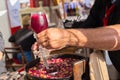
{"x": 35, "y": 47}
{"x": 54, "y": 38}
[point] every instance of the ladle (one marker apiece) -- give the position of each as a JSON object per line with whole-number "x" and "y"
{"x": 44, "y": 52}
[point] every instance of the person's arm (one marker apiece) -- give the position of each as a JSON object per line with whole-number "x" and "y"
{"x": 107, "y": 38}
{"x": 104, "y": 38}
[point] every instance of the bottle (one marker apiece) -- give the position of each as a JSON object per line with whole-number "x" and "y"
{"x": 77, "y": 10}
{"x": 68, "y": 9}
{"x": 71, "y": 10}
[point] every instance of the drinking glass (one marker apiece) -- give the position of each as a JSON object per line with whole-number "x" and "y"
{"x": 39, "y": 23}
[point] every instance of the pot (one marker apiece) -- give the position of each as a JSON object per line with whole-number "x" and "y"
{"x": 34, "y": 62}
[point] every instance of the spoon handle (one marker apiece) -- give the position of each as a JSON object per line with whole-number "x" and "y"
{"x": 43, "y": 55}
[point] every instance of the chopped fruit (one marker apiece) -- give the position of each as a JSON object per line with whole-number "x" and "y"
{"x": 58, "y": 68}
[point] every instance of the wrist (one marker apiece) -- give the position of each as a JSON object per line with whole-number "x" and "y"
{"x": 77, "y": 38}
{"x": 73, "y": 40}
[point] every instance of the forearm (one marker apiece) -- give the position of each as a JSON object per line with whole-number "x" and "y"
{"x": 107, "y": 38}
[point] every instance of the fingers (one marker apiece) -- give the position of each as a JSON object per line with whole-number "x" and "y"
{"x": 42, "y": 37}
{"x": 42, "y": 34}
{"x": 53, "y": 38}
{"x": 45, "y": 44}
{"x": 34, "y": 46}
{"x": 55, "y": 44}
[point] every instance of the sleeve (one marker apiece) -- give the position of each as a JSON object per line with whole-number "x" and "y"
{"x": 93, "y": 18}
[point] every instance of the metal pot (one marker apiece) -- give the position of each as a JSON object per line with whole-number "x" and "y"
{"x": 34, "y": 62}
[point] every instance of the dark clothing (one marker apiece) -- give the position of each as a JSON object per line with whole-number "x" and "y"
{"x": 23, "y": 37}
{"x": 95, "y": 19}
{"x": 97, "y": 13}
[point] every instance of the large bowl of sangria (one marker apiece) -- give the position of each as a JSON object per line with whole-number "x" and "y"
{"x": 60, "y": 67}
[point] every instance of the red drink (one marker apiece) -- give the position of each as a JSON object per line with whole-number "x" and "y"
{"x": 38, "y": 22}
